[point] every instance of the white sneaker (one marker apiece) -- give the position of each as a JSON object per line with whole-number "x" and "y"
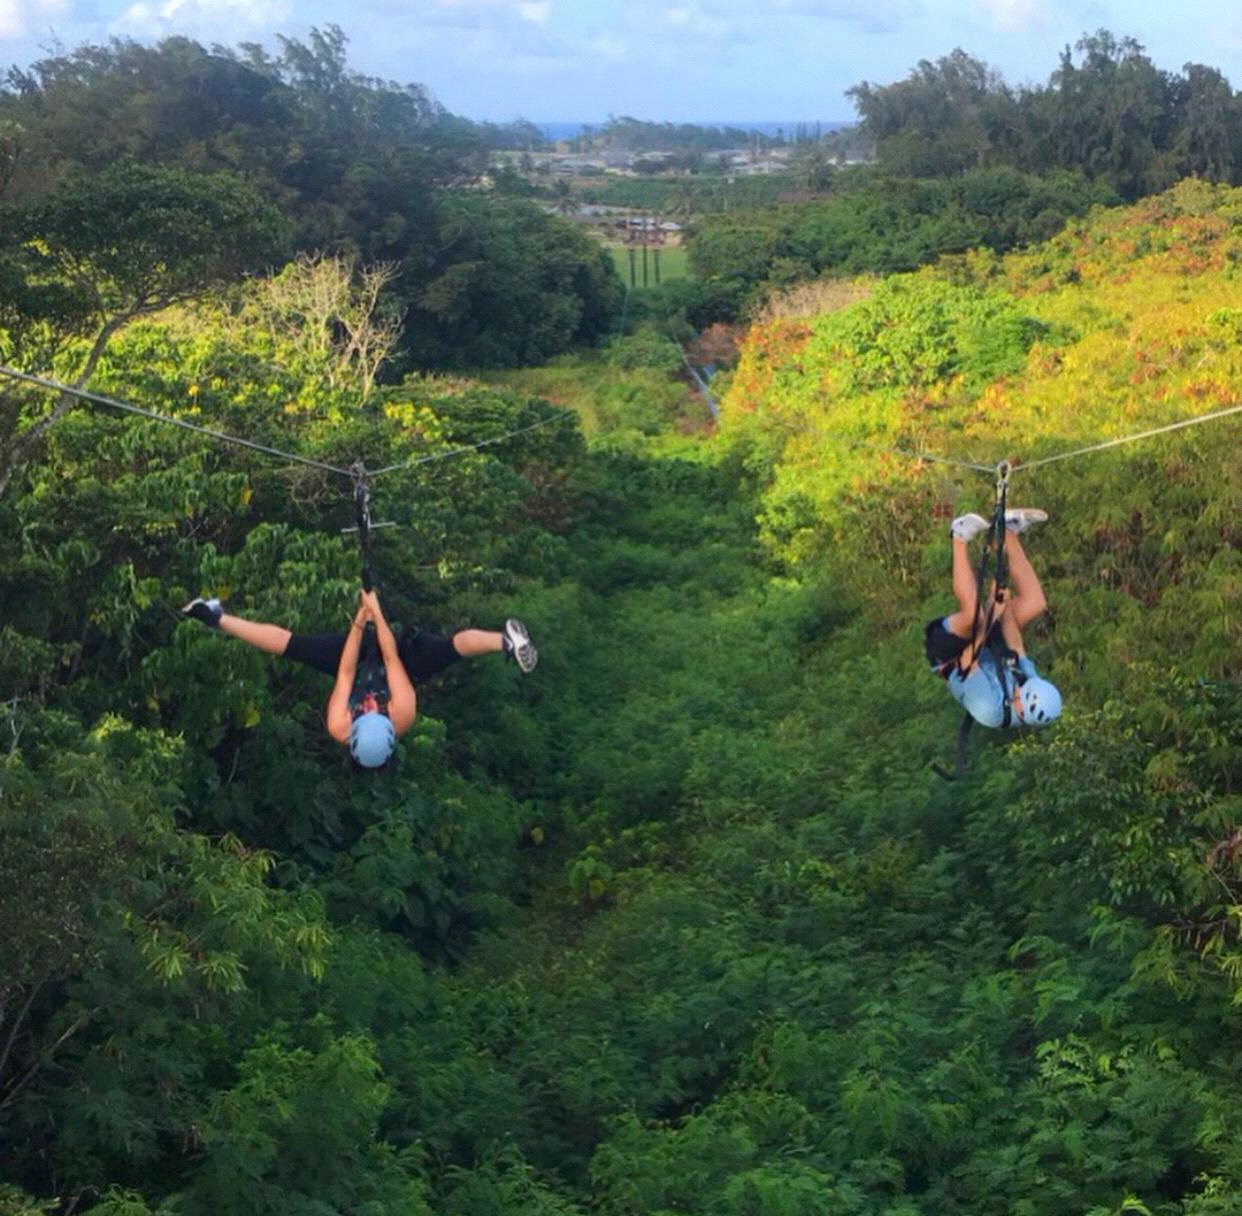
{"x": 516, "y": 642}
{"x": 1021, "y": 518}
{"x": 967, "y": 527}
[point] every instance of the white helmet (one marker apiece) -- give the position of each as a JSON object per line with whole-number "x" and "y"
{"x": 1041, "y": 702}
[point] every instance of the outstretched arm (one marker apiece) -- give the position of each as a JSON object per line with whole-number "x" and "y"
{"x": 402, "y": 704}
{"x": 346, "y": 669}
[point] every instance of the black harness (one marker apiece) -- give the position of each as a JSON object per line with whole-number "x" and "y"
{"x": 362, "y": 519}
{"x": 1000, "y": 655}
{"x": 370, "y": 678}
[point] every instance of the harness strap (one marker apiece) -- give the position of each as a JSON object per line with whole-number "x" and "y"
{"x": 1002, "y": 668}
{"x": 961, "y": 755}
{"x": 370, "y": 678}
{"x": 996, "y": 540}
{"x": 993, "y": 545}
{"x": 362, "y": 515}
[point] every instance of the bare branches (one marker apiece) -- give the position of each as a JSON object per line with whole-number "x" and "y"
{"x": 333, "y": 314}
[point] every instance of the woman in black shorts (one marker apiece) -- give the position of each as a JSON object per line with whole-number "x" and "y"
{"x": 366, "y": 722}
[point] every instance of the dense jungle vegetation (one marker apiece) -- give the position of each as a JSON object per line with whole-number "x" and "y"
{"x": 682, "y": 922}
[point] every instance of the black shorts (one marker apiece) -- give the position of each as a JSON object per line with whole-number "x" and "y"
{"x": 943, "y": 648}
{"x": 940, "y": 646}
{"x": 423, "y": 655}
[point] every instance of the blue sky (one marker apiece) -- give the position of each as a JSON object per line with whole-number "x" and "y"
{"x": 681, "y": 60}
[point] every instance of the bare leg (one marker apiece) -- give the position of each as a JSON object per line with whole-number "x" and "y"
{"x": 1027, "y": 601}
{"x": 272, "y": 639}
{"x": 1011, "y": 631}
{"x": 965, "y": 590}
{"x": 470, "y": 643}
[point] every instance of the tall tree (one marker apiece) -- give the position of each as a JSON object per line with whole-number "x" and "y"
{"x": 1106, "y": 114}
{"x": 103, "y": 250}
{"x": 1207, "y": 141}
{"x": 941, "y": 119}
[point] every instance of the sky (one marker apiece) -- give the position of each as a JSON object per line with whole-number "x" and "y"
{"x": 661, "y": 60}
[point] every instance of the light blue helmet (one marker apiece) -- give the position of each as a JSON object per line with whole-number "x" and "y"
{"x": 370, "y": 739}
{"x": 1041, "y": 702}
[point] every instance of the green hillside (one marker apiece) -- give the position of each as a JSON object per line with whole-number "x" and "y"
{"x": 682, "y": 922}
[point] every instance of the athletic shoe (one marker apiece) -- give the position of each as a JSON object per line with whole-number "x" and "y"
{"x": 967, "y": 527}
{"x": 207, "y": 611}
{"x": 1021, "y": 518}
{"x": 517, "y": 647}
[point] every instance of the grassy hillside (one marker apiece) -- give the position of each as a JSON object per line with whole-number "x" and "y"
{"x": 1125, "y": 322}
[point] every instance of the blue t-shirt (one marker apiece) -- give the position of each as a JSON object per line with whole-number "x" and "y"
{"x": 980, "y": 693}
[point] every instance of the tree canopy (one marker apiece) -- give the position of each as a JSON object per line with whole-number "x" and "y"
{"x": 368, "y": 168}
{"x": 1106, "y": 111}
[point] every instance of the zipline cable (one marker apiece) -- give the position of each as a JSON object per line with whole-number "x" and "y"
{"x": 1112, "y": 443}
{"x": 908, "y": 453}
{"x": 471, "y": 447}
{"x": 1018, "y": 466}
{"x": 100, "y": 399}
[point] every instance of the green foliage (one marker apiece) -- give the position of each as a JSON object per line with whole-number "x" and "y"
{"x": 127, "y": 240}
{"x": 112, "y": 137}
{"x": 681, "y": 922}
{"x": 148, "y": 236}
{"x": 14, "y": 1203}
{"x": 882, "y": 224}
{"x": 271, "y": 1143}
{"x": 622, "y": 131}
{"x": 645, "y": 349}
{"x": 1110, "y": 113}
{"x": 912, "y": 335}
{"x": 517, "y": 287}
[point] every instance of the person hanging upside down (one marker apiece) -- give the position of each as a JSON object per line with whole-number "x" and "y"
{"x": 991, "y": 676}
{"x": 368, "y": 716}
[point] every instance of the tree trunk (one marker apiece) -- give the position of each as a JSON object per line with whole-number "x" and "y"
{"x": 12, "y": 459}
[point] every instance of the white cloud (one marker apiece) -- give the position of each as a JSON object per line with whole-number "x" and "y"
{"x": 608, "y": 46}
{"x": 1016, "y": 16}
{"x": 698, "y": 21}
{"x": 473, "y": 12}
{"x": 871, "y": 16}
{"x": 219, "y": 20}
{"x": 18, "y": 18}
{"x": 12, "y": 23}
{"x": 535, "y": 11}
